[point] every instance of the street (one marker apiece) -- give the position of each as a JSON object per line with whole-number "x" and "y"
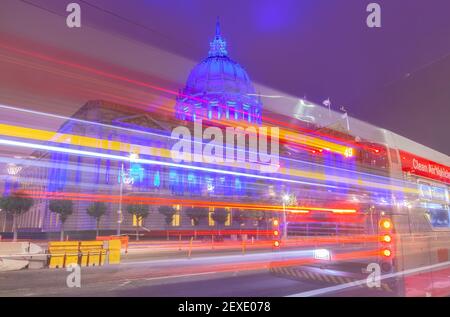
{"x": 223, "y": 275}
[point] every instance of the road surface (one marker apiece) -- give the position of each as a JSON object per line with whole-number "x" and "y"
{"x": 211, "y": 275}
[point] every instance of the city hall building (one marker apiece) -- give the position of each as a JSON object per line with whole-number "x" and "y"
{"x": 218, "y": 88}
{"x": 219, "y": 92}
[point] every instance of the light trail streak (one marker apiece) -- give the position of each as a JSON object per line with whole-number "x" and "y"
{"x": 163, "y": 200}
{"x": 152, "y": 162}
{"x": 293, "y": 137}
{"x": 43, "y": 135}
{"x": 331, "y": 289}
{"x": 167, "y": 135}
{"x": 240, "y": 264}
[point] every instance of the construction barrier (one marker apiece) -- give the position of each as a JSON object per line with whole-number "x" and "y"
{"x": 114, "y": 247}
{"x": 123, "y": 240}
{"x": 91, "y": 253}
{"x": 84, "y": 253}
{"x": 63, "y": 254}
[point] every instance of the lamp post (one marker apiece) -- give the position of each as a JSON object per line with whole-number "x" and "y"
{"x": 327, "y": 103}
{"x": 132, "y": 156}
{"x": 119, "y": 212}
{"x": 286, "y": 199}
{"x": 345, "y": 116}
{"x": 4, "y": 221}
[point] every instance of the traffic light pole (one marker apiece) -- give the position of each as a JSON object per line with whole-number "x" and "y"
{"x": 119, "y": 212}
{"x": 284, "y": 222}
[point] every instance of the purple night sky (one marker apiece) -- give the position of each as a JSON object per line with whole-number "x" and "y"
{"x": 396, "y": 77}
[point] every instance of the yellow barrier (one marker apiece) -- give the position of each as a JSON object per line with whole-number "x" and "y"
{"x": 114, "y": 251}
{"x": 91, "y": 252}
{"x": 63, "y": 254}
{"x": 123, "y": 239}
{"x": 85, "y": 253}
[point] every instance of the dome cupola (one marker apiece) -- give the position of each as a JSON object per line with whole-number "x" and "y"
{"x": 219, "y": 88}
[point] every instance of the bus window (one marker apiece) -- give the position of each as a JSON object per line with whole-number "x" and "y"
{"x": 420, "y": 221}
{"x": 439, "y": 218}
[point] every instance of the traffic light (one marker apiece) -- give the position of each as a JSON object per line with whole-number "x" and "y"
{"x": 387, "y": 257}
{"x": 386, "y": 244}
{"x": 276, "y": 233}
{"x": 386, "y": 238}
{"x": 386, "y": 224}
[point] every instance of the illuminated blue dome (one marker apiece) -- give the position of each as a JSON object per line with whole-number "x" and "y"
{"x": 219, "y": 88}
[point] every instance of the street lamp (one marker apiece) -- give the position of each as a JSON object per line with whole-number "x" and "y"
{"x": 4, "y": 221}
{"x": 285, "y": 199}
{"x": 119, "y": 212}
{"x": 327, "y": 103}
{"x": 345, "y": 116}
{"x": 132, "y": 157}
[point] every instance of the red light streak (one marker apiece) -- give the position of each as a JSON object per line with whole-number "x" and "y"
{"x": 157, "y": 88}
{"x": 163, "y": 201}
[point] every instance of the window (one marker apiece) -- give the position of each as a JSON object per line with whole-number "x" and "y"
{"x": 438, "y": 193}
{"x": 425, "y": 191}
{"x": 176, "y": 217}
{"x": 228, "y": 221}
{"x": 438, "y": 216}
{"x": 156, "y": 179}
{"x": 137, "y": 222}
{"x": 211, "y": 221}
{"x": 214, "y": 111}
{"x": 394, "y": 157}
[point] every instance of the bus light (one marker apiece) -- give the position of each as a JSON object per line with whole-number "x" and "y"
{"x": 386, "y": 252}
{"x": 322, "y": 254}
{"x": 387, "y": 238}
{"x": 386, "y": 224}
{"x": 276, "y": 233}
{"x": 348, "y": 152}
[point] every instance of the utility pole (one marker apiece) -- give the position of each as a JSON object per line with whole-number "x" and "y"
{"x": 285, "y": 199}
{"x": 284, "y": 222}
{"x": 119, "y": 212}
{"x": 345, "y": 116}
{"x": 132, "y": 157}
{"x": 327, "y": 103}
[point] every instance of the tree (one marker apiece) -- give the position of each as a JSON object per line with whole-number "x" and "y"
{"x": 64, "y": 208}
{"x": 96, "y": 211}
{"x": 140, "y": 211}
{"x": 15, "y": 205}
{"x": 260, "y": 217}
{"x": 239, "y": 217}
{"x": 196, "y": 214}
{"x": 255, "y": 215}
{"x": 291, "y": 200}
{"x": 168, "y": 213}
{"x": 220, "y": 216}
